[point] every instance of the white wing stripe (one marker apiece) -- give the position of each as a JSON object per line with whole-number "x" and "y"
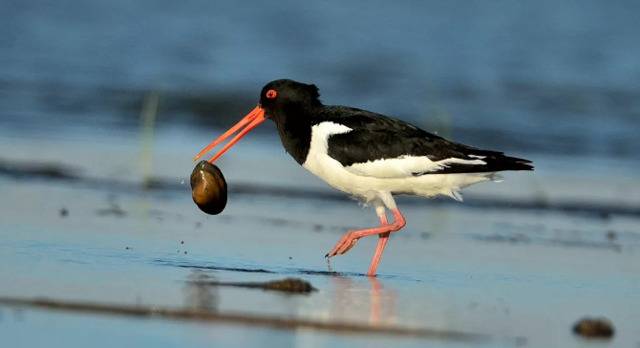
{"x": 405, "y": 166}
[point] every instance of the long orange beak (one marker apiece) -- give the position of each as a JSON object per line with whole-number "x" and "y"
{"x": 245, "y": 125}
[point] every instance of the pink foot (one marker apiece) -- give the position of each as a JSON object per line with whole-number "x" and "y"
{"x": 350, "y": 239}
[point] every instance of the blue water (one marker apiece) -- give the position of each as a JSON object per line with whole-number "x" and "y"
{"x": 529, "y": 77}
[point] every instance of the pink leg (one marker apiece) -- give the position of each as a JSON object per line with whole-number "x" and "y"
{"x": 399, "y": 222}
{"x": 377, "y": 256}
{"x": 382, "y": 242}
{"x": 350, "y": 238}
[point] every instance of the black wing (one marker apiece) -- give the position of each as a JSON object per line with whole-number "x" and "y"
{"x": 376, "y": 136}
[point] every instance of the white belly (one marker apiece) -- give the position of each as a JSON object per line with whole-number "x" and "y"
{"x": 368, "y": 188}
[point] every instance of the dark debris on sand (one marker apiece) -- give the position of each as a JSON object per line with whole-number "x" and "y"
{"x": 39, "y": 170}
{"x": 289, "y": 285}
{"x": 594, "y": 328}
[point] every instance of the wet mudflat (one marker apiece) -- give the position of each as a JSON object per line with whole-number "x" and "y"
{"x": 459, "y": 274}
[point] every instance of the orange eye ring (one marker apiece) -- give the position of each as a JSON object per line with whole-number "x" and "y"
{"x": 271, "y": 94}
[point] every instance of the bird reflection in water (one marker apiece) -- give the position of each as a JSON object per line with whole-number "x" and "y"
{"x": 352, "y": 299}
{"x": 350, "y": 303}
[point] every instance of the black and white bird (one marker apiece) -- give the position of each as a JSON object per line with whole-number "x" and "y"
{"x": 367, "y": 155}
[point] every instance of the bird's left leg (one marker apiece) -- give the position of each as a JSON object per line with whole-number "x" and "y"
{"x": 399, "y": 223}
{"x": 350, "y": 238}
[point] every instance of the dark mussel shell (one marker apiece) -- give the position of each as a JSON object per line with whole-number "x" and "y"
{"x": 208, "y": 188}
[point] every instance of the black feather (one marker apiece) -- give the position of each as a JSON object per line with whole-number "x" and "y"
{"x": 376, "y": 136}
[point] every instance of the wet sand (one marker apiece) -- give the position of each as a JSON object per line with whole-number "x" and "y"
{"x": 502, "y": 266}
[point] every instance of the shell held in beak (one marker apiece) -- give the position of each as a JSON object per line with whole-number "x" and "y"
{"x": 208, "y": 188}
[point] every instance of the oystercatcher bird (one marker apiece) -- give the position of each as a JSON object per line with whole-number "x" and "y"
{"x": 367, "y": 155}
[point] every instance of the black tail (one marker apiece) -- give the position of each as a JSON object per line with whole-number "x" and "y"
{"x": 497, "y": 161}
{"x": 494, "y": 162}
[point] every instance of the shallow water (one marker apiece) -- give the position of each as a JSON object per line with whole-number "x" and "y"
{"x": 518, "y": 263}
{"x": 520, "y": 276}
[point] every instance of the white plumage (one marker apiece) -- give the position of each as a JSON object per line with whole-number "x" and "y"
{"x": 379, "y": 179}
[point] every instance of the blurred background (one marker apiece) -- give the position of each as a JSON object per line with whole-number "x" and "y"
{"x": 536, "y": 79}
{"x": 108, "y": 95}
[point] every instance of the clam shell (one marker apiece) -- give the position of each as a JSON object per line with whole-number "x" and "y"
{"x": 208, "y": 188}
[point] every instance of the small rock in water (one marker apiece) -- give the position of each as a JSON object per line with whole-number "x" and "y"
{"x": 594, "y": 328}
{"x": 289, "y": 285}
{"x": 208, "y": 188}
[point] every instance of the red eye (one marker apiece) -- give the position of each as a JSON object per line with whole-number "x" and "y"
{"x": 271, "y": 94}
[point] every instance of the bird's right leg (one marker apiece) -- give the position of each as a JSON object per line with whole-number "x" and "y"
{"x": 350, "y": 238}
{"x": 383, "y": 238}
